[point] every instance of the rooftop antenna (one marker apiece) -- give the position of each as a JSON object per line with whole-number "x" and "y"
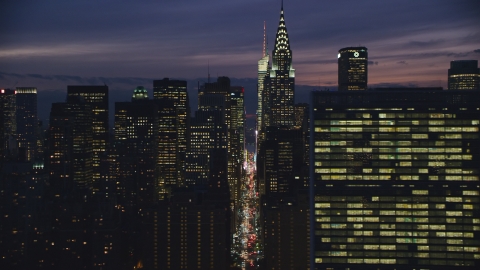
{"x": 208, "y": 70}
{"x": 264, "y": 39}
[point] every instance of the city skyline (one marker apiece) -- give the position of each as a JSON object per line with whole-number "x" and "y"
{"x": 383, "y": 177}
{"x": 410, "y": 43}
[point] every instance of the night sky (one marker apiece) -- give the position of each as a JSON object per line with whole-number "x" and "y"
{"x": 52, "y": 44}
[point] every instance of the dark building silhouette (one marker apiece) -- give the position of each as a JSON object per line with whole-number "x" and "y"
{"x": 352, "y": 68}
{"x": 24, "y": 216}
{"x": 463, "y": 74}
{"x": 97, "y": 97}
{"x": 9, "y": 126}
{"x": 285, "y": 215}
{"x": 394, "y": 179}
{"x": 208, "y": 132}
{"x": 136, "y": 149}
{"x": 27, "y": 122}
{"x": 70, "y": 144}
{"x": 191, "y": 230}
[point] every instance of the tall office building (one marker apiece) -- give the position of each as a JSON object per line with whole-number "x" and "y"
{"x": 190, "y": 230}
{"x": 283, "y": 160}
{"x": 263, "y": 71}
{"x": 463, "y": 74}
{"x": 280, "y": 98}
{"x": 2, "y": 135}
{"x": 176, "y": 91}
{"x": 97, "y": 97}
{"x": 136, "y": 147}
{"x": 27, "y": 122}
{"x": 285, "y": 215}
{"x": 395, "y": 179}
{"x": 352, "y": 68}
{"x": 208, "y": 132}
{"x": 70, "y": 145}
{"x": 9, "y": 127}
{"x": 218, "y": 96}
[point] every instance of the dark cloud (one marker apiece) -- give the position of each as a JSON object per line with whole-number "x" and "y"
{"x": 132, "y": 41}
{"x": 402, "y": 62}
{"x": 476, "y": 51}
{"x": 67, "y": 78}
{"x": 16, "y": 75}
{"x": 429, "y": 43}
{"x": 38, "y": 76}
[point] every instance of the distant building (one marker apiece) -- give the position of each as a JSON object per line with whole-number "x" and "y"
{"x": 70, "y": 144}
{"x": 97, "y": 97}
{"x": 279, "y": 96}
{"x": 136, "y": 148}
{"x": 352, "y": 68}
{"x": 463, "y": 74}
{"x": 176, "y": 91}
{"x": 208, "y": 132}
{"x": 237, "y": 138}
{"x": 27, "y": 122}
{"x": 395, "y": 179}
{"x": 263, "y": 72}
{"x": 9, "y": 124}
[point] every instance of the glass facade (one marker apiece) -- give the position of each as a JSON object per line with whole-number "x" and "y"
{"x": 352, "y": 68}
{"x": 397, "y": 178}
{"x": 464, "y": 74}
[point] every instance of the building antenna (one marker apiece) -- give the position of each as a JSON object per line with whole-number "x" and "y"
{"x": 208, "y": 70}
{"x": 264, "y": 39}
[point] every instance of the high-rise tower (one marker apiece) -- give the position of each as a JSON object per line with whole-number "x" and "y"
{"x": 263, "y": 70}
{"x": 71, "y": 147}
{"x": 281, "y": 81}
{"x": 352, "y": 68}
{"x": 176, "y": 92}
{"x": 394, "y": 179}
{"x": 9, "y": 123}
{"x": 27, "y": 122}
{"x": 463, "y": 74}
{"x": 97, "y": 97}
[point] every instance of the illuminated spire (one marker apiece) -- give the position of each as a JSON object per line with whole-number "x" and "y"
{"x": 282, "y": 43}
{"x": 264, "y": 39}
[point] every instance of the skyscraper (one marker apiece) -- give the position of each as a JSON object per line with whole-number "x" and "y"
{"x": 9, "y": 127}
{"x": 70, "y": 147}
{"x": 352, "y": 68}
{"x": 464, "y": 74}
{"x": 395, "y": 178}
{"x": 263, "y": 71}
{"x": 176, "y": 91}
{"x": 218, "y": 96}
{"x": 27, "y": 122}
{"x": 97, "y": 97}
{"x": 136, "y": 146}
{"x": 237, "y": 135}
{"x": 280, "y": 83}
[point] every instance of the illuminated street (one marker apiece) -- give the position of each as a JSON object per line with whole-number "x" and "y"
{"x": 247, "y": 244}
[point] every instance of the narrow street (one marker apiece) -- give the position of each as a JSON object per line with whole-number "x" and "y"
{"x": 247, "y": 243}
